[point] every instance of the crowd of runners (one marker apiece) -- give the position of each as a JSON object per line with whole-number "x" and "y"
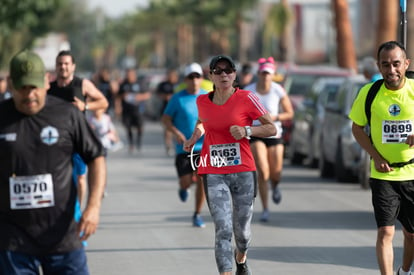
{"x": 57, "y": 128}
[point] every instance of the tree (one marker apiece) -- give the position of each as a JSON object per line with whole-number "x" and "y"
{"x": 21, "y": 22}
{"x": 388, "y": 23}
{"x": 276, "y": 29}
{"x": 237, "y": 9}
{"x": 186, "y": 30}
{"x": 346, "y": 56}
{"x": 81, "y": 28}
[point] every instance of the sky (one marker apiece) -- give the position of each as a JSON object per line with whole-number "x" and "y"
{"x": 115, "y": 8}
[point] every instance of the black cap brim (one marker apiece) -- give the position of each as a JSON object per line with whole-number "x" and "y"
{"x": 219, "y": 58}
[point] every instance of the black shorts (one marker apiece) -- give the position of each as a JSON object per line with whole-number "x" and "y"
{"x": 267, "y": 141}
{"x": 184, "y": 164}
{"x": 393, "y": 200}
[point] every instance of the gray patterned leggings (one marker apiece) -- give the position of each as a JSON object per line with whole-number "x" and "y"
{"x": 230, "y": 199}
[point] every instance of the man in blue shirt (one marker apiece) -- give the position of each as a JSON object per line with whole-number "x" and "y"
{"x": 180, "y": 117}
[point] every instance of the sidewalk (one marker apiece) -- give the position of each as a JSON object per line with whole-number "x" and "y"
{"x": 319, "y": 228}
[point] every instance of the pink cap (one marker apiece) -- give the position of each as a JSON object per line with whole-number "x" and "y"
{"x": 267, "y": 65}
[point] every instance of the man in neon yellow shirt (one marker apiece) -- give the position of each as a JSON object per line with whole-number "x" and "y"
{"x": 392, "y": 153}
{"x": 206, "y": 85}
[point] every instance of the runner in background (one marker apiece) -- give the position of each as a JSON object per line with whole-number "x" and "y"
{"x": 180, "y": 117}
{"x": 165, "y": 90}
{"x": 80, "y": 92}
{"x": 268, "y": 151}
{"x": 206, "y": 84}
{"x": 105, "y": 130}
{"x": 108, "y": 87}
{"x": 133, "y": 100}
{"x": 246, "y": 76}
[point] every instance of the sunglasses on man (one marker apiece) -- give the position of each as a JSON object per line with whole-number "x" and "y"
{"x": 193, "y": 76}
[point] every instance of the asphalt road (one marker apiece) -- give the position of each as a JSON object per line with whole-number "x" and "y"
{"x": 320, "y": 227}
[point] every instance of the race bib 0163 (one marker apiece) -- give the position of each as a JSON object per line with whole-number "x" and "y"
{"x": 225, "y": 154}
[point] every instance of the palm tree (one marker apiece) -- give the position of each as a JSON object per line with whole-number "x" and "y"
{"x": 388, "y": 24}
{"x": 346, "y": 56}
{"x": 276, "y": 28}
{"x": 240, "y": 7}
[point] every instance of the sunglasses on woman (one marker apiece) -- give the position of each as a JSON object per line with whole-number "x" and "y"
{"x": 218, "y": 71}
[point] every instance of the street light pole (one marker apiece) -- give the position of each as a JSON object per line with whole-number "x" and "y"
{"x": 403, "y": 33}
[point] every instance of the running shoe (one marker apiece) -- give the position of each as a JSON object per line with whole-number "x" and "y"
{"x": 277, "y": 195}
{"x": 242, "y": 269}
{"x": 183, "y": 194}
{"x": 265, "y": 216}
{"x": 398, "y": 271}
{"x": 198, "y": 221}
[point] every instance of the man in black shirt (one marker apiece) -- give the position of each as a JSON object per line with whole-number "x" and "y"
{"x": 108, "y": 87}
{"x": 82, "y": 93}
{"x": 38, "y": 135}
{"x": 133, "y": 99}
{"x": 165, "y": 90}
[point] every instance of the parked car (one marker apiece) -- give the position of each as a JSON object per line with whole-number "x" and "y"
{"x": 297, "y": 82}
{"x": 304, "y": 143}
{"x": 340, "y": 154}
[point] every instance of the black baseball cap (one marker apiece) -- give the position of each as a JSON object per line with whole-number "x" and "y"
{"x": 218, "y": 58}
